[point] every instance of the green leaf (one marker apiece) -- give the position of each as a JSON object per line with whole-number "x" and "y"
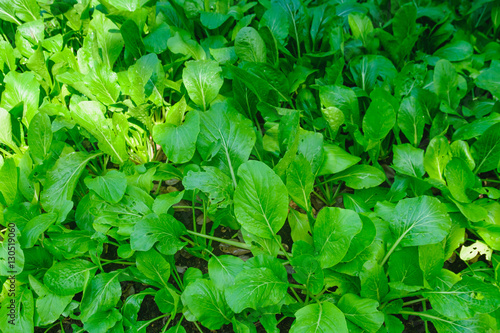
{"x": 336, "y": 160}
{"x": 442, "y": 324}
{"x": 379, "y": 119}
{"x": 67, "y": 278}
{"x": 409, "y": 160}
{"x": 179, "y": 142}
{"x": 163, "y": 202}
{"x": 362, "y": 240}
{"x": 202, "y": 80}
{"x": 343, "y": 98}
{"x": 6, "y": 130}
{"x": 404, "y": 271}
{"x": 332, "y": 240}
{"x": 431, "y": 260}
{"x": 249, "y": 46}
{"x": 367, "y": 69}
{"x": 9, "y": 175}
{"x": 308, "y": 272}
{"x": 156, "y": 41}
{"x": 374, "y": 282}
{"x": 49, "y": 306}
{"x": 455, "y": 51}
{"x": 411, "y": 120}
{"x": 223, "y": 270}
{"x": 207, "y": 304}
{"x": 154, "y": 266}
{"x": 144, "y": 80}
{"x": 465, "y": 298}
{"x": 21, "y": 88}
{"x": 23, "y": 312}
{"x": 255, "y": 288}
{"x": 361, "y": 26}
{"x": 40, "y": 137}
{"x": 486, "y": 150}
{"x": 360, "y": 176}
{"x": 488, "y": 80}
{"x": 102, "y": 294}
{"x": 362, "y": 312}
{"x": 334, "y": 117}
{"x": 103, "y": 321}
{"x": 260, "y": 200}
{"x": 300, "y": 181}
{"x": 213, "y": 182}
{"x": 226, "y": 139}
{"x": 164, "y": 229}
{"x": 132, "y": 39}
{"x": 103, "y": 84}
{"x": 437, "y": 156}
{"x": 186, "y": 46}
{"x": 90, "y": 115}
{"x": 319, "y": 317}
{"x": 109, "y": 41}
{"x": 111, "y": 187}
{"x": 8, "y": 14}
{"x": 61, "y": 182}
{"x": 448, "y": 85}
{"x": 459, "y": 179}
{"x": 419, "y": 221}
{"x": 300, "y": 227}
{"x": 35, "y": 227}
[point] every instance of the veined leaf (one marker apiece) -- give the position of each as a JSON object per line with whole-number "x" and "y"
{"x": 319, "y": 317}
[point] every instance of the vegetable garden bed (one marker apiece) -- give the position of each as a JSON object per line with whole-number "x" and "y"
{"x": 253, "y": 166}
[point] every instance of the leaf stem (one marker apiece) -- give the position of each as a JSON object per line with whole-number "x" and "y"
{"x": 415, "y": 301}
{"x": 146, "y": 324}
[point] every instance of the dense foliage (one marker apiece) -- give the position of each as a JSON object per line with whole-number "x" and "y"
{"x": 303, "y": 165}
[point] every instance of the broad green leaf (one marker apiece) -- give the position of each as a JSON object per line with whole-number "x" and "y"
{"x": 103, "y": 321}
{"x": 226, "y": 139}
{"x": 465, "y": 298}
{"x": 448, "y": 85}
{"x": 419, "y": 221}
{"x": 163, "y": 202}
{"x": 144, "y": 80}
{"x": 154, "y": 266}
{"x": 61, "y": 182}
{"x": 367, "y": 69}
{"x": 19, "y": 319}
{"x": 202, "y": 80}
{"x": 486, "y": 150}
{"x": 11, "y": 263}
{"x": 69, "y": 277}
{"x": 333, "y": 232}
{"x": 476, "y": 128}
{"x": 308, "y": 272}
{"x": 132, "y": 39}
{"x": 35, "y": 227}
{"x": 90, "y": 115}
{"x": 223, "y": 270}
{"x": 40, "y": 137}
{"x": 49, "y": 306}
{"x": 164, "y": 229}
{"x": 459, "y": 178}
{"x": 489, "y": 80}
{"x": 103, "y": 84}
{"x": 156, "y": 41}
{"x": 404, "y": 271}
{"x": 360, "y": 176}
{"x": 249, "y": 46}
{"x": 361, "y": 26}
{"x": 431, "y": 259}
{"x": 409, "y": 160}
{"x": 456, "y": 51}
{"x": 334, "y": 117}
{"x": 111, "y": 187}
{"x": 102, "y": 294}
{"x": 362, "y": 240}
{"x": 37, "y": 64}
{"x": 436, "y": 157}
{"x": 277, "y": 23}
{"x": 6, "y": 130}
{"x": 300, "y": 227}
{"x": 319, "y": 317}
{"x": 27, "y": 10}
{"x": 343, "y": 98}
{"x": 213, "y": 20}
{"x": 21, "y": 88}
{"x": 179, "y": 142}
{"x": 374, "y": 282}
{"x": 167, "y": 300}
{"x": 207, "y": 304}
{"x": 379, "y": 119}
{"x": 260, "y": 200}
{"x": 443, "y": 324}
{"x": 300, "y": 181}
{"x": 109, "y": 40}
{"x": 9, "y": 175}
{"x": 336, "y": 160}
{"x": 411, "y": 120}
{"x": 186, "y": 46}
{"x": 362, "y": 312}
{"x": 255, "y": 288}
{"x": 213, "y": 182}
{"x": 7, "y": 12}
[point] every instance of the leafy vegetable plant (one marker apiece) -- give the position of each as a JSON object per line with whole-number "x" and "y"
{"x": 251, "y": 166}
